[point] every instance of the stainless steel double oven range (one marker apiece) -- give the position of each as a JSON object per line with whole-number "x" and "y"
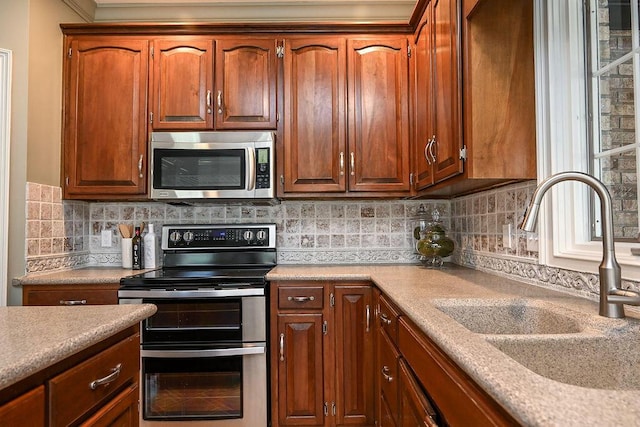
{"x": 204, "y": 352}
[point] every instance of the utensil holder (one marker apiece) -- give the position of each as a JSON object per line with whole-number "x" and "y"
{"x": 126, "y": 253}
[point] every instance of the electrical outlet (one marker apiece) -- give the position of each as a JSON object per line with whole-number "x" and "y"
{"x": 106, "y": 239}
{"x": 532, "y": 242}
{"x": 507, "y": 236}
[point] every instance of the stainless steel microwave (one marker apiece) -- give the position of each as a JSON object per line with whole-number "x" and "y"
{"x": 212, "y": 165}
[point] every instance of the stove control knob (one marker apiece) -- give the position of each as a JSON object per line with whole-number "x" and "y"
{"x": 175, "y": 236}
{"x": 248, "y": 235}
{"x": 261, "y": 235}
{"x": 188, "y": 236}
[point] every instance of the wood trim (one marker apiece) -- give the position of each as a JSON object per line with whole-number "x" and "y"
{"x": 145, "y": 28}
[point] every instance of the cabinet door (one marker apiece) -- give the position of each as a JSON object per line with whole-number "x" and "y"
{"x": 424, "y": 154}
{"x": 416, "y": 410}
{"x": 245, "y": 77}
{"x": 314, "y": 99}
{"x": 446, "y": 96}
{"x": 379, "y": 114}
{"x": 299, "y": 369}
{"x": 105, "y": 118}
{"x": 26, "y": 410}
{"x": 182, "y": 83}
{"x": 354, "y": 353}
{"x": 121, "y": 411}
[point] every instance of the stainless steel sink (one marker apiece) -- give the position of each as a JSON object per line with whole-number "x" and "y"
{"x": 600, "y": 362}
{"x": 509, "y": 316}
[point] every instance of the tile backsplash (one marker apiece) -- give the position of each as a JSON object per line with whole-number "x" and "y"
{"x": 66, "y": 234}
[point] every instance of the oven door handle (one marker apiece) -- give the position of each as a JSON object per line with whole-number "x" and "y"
{"x": 192, "y": 293}
{"x": 210, "y": 352}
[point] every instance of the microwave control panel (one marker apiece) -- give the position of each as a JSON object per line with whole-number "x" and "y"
{"x": 263, "y": 168}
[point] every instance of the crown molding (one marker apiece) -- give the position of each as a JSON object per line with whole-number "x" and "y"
{"x": 246, "y": 11}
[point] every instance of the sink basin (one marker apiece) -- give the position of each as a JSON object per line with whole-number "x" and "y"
{"x": 508, "y": 316}
{"x": 587, "y": 361}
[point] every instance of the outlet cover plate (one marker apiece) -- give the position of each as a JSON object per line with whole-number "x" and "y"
{"x": 105, "y": 238}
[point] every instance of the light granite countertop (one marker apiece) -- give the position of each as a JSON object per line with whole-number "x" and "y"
{"x": 532, "y": 399}
{"x": 34, "y": 338}
{"x": 89, "y": 275}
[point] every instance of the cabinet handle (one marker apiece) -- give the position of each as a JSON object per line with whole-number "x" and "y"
{"x": 426, "y": 151}
{"x": 433, "y": 143}
{"x": 384, "y": 319}
{"x": 219, "y": 102}
{"x": 333, "y": 408}
{"x": 385, "y": 373}
{"x": 341, "y": 163}
{"x": 301, "y": 299}
{"x": 115, "y": 373}
{"x": 73, "y": 302}
{"x": 208, "y": 102}
{"x": 368, "y": 317}
{"x": 282, "y": 347}
{"x": 140, "y": 167}
{"x": 353, "y": 163}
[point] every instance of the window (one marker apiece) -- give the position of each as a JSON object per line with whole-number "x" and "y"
{"x": 614, "y": 74}
{"x": 564, "y": 108}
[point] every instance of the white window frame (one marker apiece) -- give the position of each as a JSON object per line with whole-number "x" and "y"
{"x": 5, "y": 138}
{"x": 562, "y": 141}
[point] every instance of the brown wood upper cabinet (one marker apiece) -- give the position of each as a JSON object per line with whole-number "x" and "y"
{"x": 330, "y": 82}
{"x": 105, "y": 109}
{"x": 438, "y": 140}
{"x": 202, "y": 83}
{"x": 480, "y": 51}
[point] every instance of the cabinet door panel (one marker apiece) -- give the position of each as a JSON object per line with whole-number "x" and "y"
{"x": 300, "y": 370}
{"x": 446, "y": 89}
{"x": 105, "y": 118}
{"x": 424, "y": 153}
{"x": 245, "y": 96}
{"x": 315, "y": 136}
{"x": 26, "y": 410}
{"x": 182, "y": 83}
{"x": 378, "y": 112}
{"x": 354, "y": 355}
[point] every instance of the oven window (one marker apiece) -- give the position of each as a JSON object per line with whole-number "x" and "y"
{"x": 192, "y": 388}
{"x": 199, "y": 169}
{"x": 194, "y": 320}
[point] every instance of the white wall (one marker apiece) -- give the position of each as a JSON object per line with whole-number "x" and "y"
{"x": 30, "y": 29}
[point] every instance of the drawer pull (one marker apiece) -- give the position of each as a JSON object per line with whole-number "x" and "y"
{"x": 115, "y": 373}
{"x": 384, "y": 319}
{"x": 73, "y": 302}
{"x": 301, "y": 299}
{"x": 385, "y": 373}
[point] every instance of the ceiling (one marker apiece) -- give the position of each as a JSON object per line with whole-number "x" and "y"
{"x": 250, "y": 11}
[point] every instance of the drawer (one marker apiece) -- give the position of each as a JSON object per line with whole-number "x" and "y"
{"x": 70, "y": 295}
{"x": 388, "y": 316}
{"x": 387, "y": 370}
{"x": 93, "y": 382}
{"x": 301, "y": 297}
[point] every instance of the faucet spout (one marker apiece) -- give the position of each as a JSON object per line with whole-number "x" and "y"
{"x": 612, "y": 297}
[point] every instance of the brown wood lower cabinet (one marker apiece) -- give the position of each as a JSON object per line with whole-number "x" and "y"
{"x": 458, "y": 400}
{"x": 96, "y": 387}
{"x": 322, "y": 354}
{"x": 73, "y": 294}
{"x": 418, "y": 384}
{"x": 26, "y": 410}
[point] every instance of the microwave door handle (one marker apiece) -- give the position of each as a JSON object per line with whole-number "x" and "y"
{"x": 251, "y": 169}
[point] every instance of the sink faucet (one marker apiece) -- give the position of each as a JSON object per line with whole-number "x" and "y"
{"x": 612, "y": 296}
